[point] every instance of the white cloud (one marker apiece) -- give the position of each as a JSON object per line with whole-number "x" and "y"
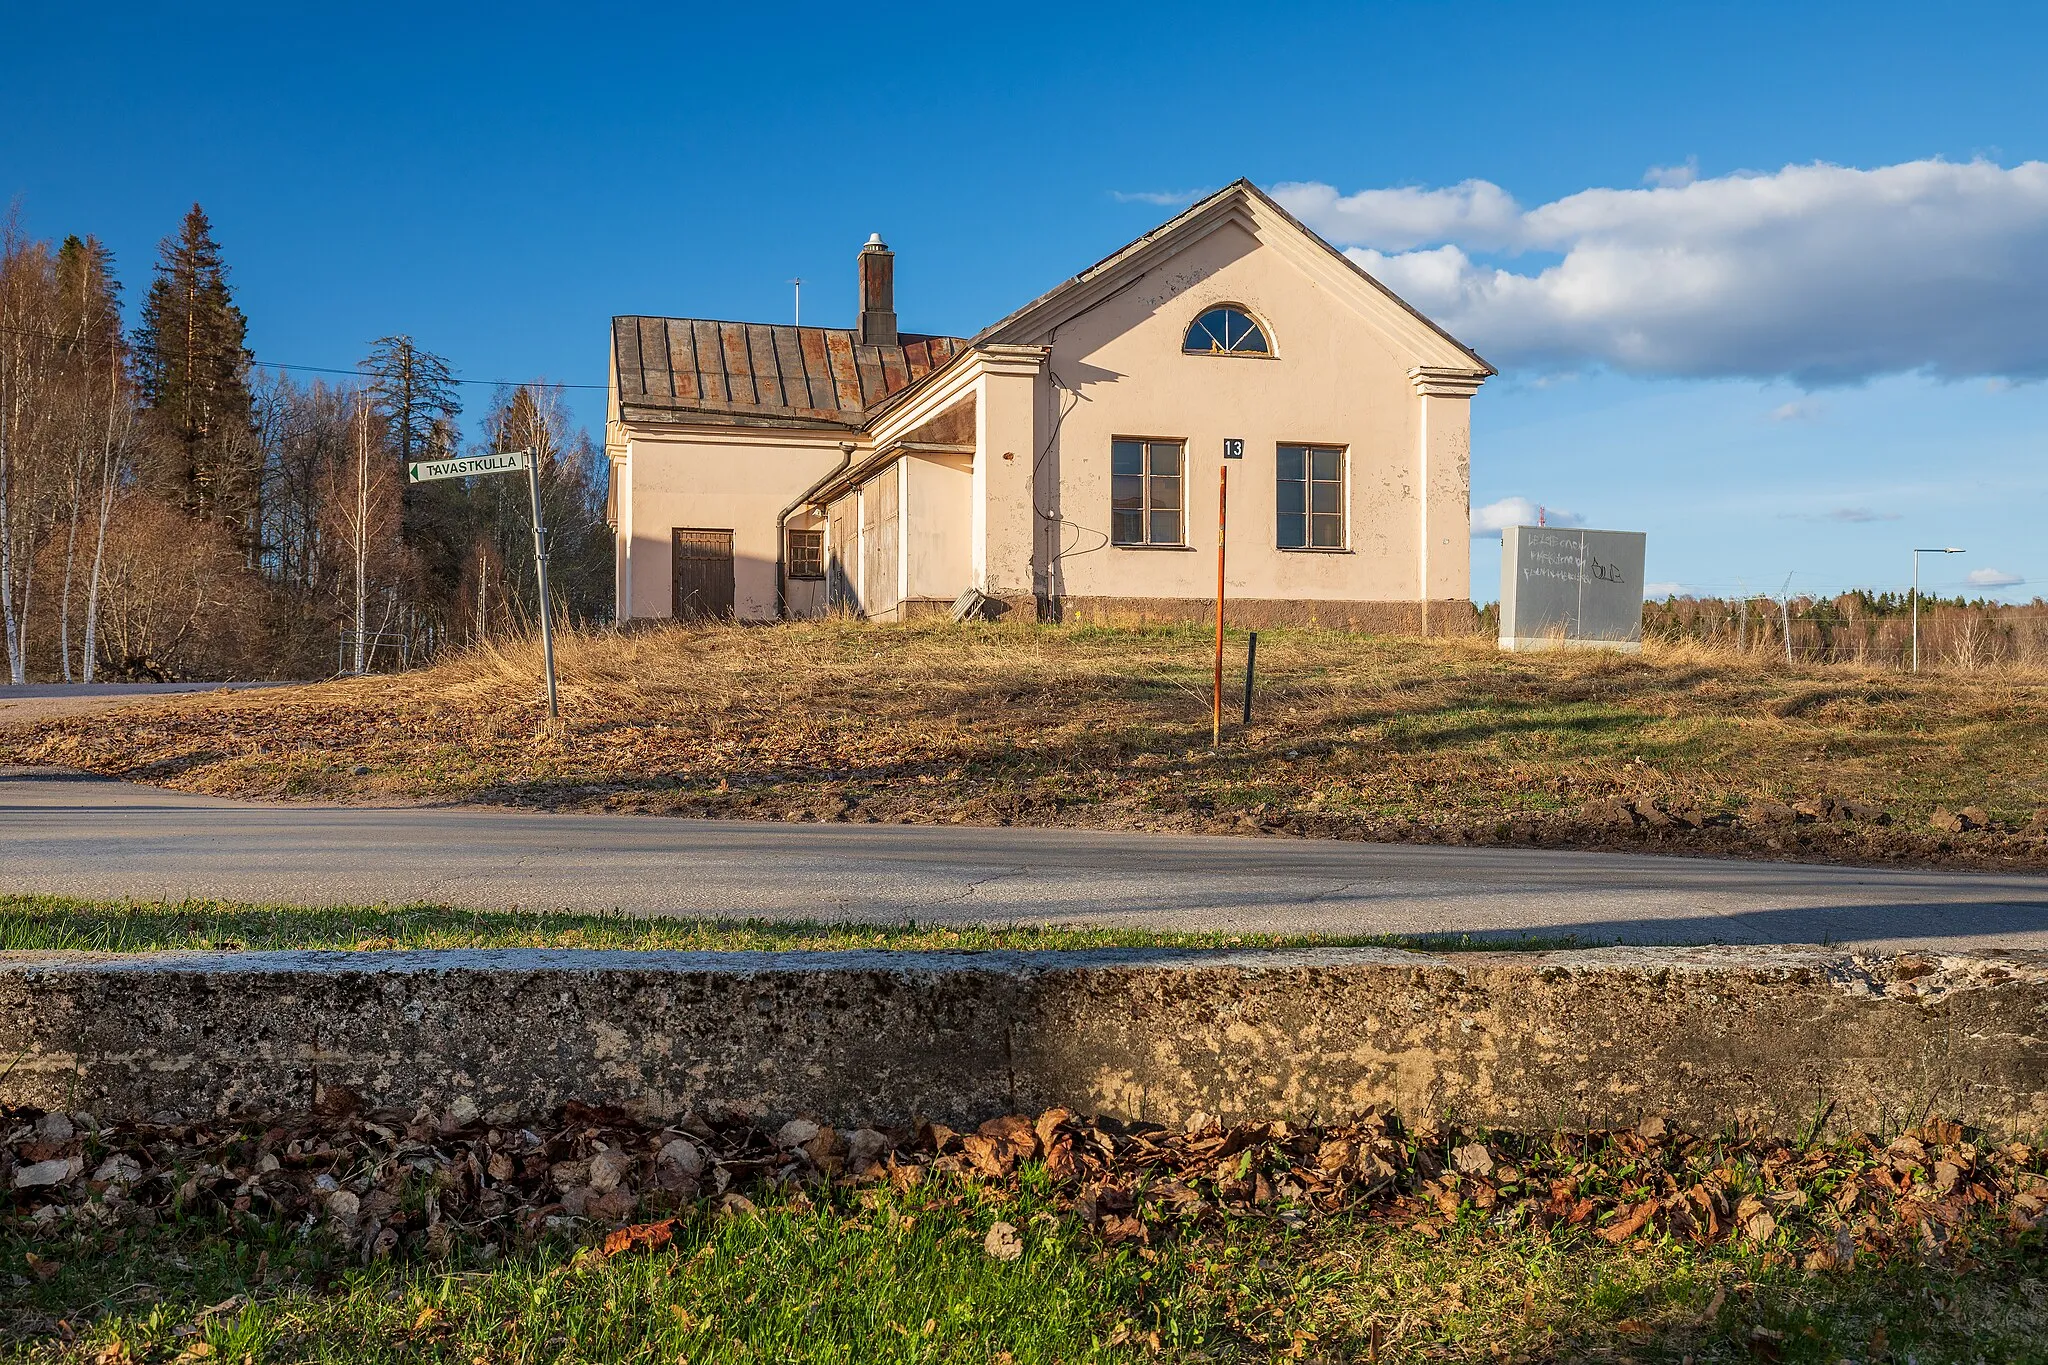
{"x": 1993, "y": 578}
{"x": 1165, "y": 198}
{"x": 1661, "y": 590}
{"x": 1671, "y": 177}
{"x": 1478, "y": 213}
{"x": 1798, "y": 410}
{"x": 1496, "y": 517}
{"x": 1820, "y": 274}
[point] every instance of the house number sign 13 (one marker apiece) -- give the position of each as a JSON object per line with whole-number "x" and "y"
{"x": 1233, "y": 447}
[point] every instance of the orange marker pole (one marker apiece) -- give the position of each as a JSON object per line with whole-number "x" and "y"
{"x": 1222, "y": 504}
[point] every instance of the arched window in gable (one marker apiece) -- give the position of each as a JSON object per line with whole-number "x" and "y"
{"x": 1226, "y": 329}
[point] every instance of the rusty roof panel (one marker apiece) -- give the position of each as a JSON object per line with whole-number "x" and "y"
{"x": 759, "y": 374}
{"x": 682, "y": 361}
{"x": 895, "y": 372}
{"x": 739, "y": 368}
{"x": 789, "y": 363}
{"x": 626, "y": 349}
{"x": 767, "y": 370}
{"x": 710, "y": 365}
{"x": 817, "y": 367}
{"x": 873, "y": 387}
{"x": 654, "y": 360}
{"x": 845, "y": 376}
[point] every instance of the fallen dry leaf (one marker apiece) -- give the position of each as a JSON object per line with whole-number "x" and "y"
{"x": 1003, "y": 1242}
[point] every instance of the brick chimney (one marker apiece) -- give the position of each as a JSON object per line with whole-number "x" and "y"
{"x": 877, "y": 294}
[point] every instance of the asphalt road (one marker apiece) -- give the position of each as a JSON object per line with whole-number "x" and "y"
{"x": 82, "y": 836}
{"x": 20, "y": 705}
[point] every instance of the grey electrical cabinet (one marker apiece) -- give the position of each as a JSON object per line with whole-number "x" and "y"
{"x": 1571, "y": 589}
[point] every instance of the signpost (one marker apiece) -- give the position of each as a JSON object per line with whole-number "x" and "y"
{"x": 1222, "y": 504}
{"x": 507, "y": 462}
{"x": 421, "y": 471}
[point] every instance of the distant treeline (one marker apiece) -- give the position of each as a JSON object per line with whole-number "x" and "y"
{"x": 1861, "y": 627}
{"x": 168, "y": 509}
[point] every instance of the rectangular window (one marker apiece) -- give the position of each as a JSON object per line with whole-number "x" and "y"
{"x": 1310, "y": 498}
{"x": 1145, "y": 492}
{"x": 806, "y": 557}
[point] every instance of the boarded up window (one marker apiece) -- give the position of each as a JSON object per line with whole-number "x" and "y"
{"x": 704, "y": 587}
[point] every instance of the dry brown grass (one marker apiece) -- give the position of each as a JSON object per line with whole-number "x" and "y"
{"x": 1360, "y": 737}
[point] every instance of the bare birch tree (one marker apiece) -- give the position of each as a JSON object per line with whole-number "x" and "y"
{"x": 362, "y": 510}
{"x": 26, "y": 364}
{"x": 116, "y": 447}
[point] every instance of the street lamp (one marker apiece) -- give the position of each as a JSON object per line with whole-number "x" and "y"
{"x": 1940, "y": 550}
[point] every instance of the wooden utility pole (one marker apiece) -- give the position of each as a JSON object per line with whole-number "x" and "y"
{"x": 1222, "y": 518}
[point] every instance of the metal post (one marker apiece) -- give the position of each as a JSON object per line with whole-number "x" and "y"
{"x": 1932, "y": 550}
{"x": 1251, "y": 664}
{"x": 1222, "y": 503}
{"x": 540, "y": 568}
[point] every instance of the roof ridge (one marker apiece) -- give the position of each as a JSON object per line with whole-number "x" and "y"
{"x": 783, "y": 326}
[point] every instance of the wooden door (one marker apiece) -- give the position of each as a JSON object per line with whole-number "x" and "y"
{"x": 842, "y": 544}
{"x": 703, "y": 574}
{"x": 878, "y": 536}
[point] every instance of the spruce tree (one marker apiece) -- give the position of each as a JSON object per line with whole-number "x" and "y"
{"x": 88, "y": 298}
{"x": 415, "y": 396}
{"x": 193, "y": 368}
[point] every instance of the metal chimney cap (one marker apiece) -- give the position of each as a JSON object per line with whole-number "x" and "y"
{"x": 875, "y": 239}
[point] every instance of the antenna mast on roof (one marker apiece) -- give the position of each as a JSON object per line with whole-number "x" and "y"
{"x": 799, "y": 283}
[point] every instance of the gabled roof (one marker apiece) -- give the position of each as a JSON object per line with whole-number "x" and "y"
{"x": 1019, "y": 325}
{"x": 693, "y": 370}
{"x": 700, "y": 371}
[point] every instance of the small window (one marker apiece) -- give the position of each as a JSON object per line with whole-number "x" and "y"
{"x": 1310, "y": 498}
{"x": 1145, "y": 492}
{"x": 1226, "y": 330}
{"x": 806, "y": 557}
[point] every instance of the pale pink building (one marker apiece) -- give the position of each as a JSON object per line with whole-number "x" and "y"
{"x": 1065, "y": 462}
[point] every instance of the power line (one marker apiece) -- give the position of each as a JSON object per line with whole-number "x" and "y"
{"x": 320, "y": 369}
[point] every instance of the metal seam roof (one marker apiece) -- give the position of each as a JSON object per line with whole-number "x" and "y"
{"x": 743, "y": 373}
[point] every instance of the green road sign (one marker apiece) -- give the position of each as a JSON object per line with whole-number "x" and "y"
{"x": 420, "y": 471}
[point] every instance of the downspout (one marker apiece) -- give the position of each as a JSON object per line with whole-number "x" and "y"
{"x": 846, "y": 449}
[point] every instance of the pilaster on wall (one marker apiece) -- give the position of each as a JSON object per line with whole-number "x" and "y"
{"x": 622, "y": 534}
{"x": 1006, "y": 439}
{"x": 1443, "y": 571}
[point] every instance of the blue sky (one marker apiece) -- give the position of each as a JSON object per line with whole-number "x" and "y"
{"x": 1812, "y": 388}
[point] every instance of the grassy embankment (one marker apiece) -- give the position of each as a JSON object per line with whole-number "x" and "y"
{"x": 67, "y": 924}
{"x": 1682, "y": 748}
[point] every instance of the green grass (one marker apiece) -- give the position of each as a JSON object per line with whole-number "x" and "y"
{"x": 861, "y": 1276}
{"x": 59, "y": 923}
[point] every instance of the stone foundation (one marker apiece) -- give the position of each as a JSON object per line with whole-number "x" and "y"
{"x": 1456, "y": 617}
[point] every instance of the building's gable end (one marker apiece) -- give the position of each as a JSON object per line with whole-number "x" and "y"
{"x": 1407, "y": 332}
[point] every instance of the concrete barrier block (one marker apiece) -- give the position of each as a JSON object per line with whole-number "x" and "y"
{"x": 1770, "y": 1039}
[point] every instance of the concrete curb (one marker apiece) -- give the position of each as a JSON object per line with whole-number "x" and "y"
{"x": 1772, "y": 1039}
